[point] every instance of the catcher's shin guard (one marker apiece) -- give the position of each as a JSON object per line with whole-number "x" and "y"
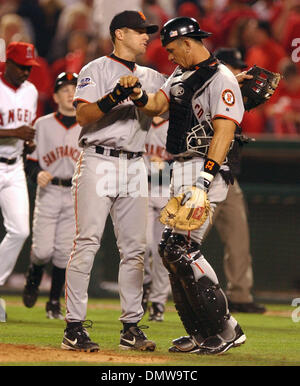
{"x": 189, "y": 319}
{"x": 205, "y": 297}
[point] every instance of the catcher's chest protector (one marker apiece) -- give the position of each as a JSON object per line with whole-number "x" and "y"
{"x": 185, "y": 85}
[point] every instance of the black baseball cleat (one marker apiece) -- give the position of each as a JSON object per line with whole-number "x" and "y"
{"x": 77, "y": 339}
{"x": 216, "y": 345}
{"x": 31, "y": 289}
{"x": 156, "y": 312}
{"x": 185, "y": 344}
{"x": 53, "y": 310}
{"x": 135, "y": 339}
{"x": 248, "y": 308}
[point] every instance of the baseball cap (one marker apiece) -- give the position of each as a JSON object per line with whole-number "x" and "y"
{"x": 65, "y": 78}
{"x": 230, "y": 56}
{"x": 132, "y": 20}
{"x": 21, "y": 53}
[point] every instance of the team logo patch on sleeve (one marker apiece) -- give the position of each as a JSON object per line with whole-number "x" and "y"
{"x": 85, "y": 82}
{"x": 228, "y": 97}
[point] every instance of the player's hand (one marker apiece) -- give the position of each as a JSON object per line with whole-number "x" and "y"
{"x": 242, "y": 76}
{"x": 131, "y": 81}
{"x": 43, "y": 178}
{"x": 25, "y": 132}
{"x": 158, "y": 162}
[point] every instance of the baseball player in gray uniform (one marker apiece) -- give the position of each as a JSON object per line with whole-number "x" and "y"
{"x": 52, "y": 166}
{"x": 205, "y": 105}
{"x": 157, "y": 159}
{"x": 111, "y": 178}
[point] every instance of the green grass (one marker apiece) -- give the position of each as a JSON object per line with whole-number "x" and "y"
{"x": 272, "y": 340}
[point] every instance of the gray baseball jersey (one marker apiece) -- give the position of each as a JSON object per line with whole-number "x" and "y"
{"x": 57, "y": 152}
{"x": 104, "y": 184}
{"x": 125, "y": 127}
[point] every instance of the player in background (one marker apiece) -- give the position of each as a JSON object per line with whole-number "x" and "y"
{"x": 158, "y": 162}
{"x": 51, "y": 166}
{"x": 18, "y": 103}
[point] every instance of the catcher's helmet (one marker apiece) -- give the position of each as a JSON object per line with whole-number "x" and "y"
{"x": 65, "y": 78}
{"x": 181, "y": 26}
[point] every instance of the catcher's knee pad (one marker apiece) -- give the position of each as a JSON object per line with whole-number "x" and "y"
{"x": 163, "y": 242}
{"x": 178, "y": 254}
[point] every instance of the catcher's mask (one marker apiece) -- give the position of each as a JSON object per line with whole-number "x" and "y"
{"x": 199, "y": 138}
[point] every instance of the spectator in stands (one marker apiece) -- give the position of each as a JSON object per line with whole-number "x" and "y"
{"x": 233, "y": 13}
{"x": 42, "y": 17}
{"x": 155, "y": 14}
{"x": 286, "y": 26}
{"x": 283, "y": 109}
{"x": 80, "y": 50}
{"x": 76, "y": 17}
{"x": 13, "y": 28}
{"x": 266, "y": 51}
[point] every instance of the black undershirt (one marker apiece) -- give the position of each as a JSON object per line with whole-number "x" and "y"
{"x": 127, "y": 63}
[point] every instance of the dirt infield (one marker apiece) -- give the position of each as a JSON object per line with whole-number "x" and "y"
{"x": 13, "y": 353}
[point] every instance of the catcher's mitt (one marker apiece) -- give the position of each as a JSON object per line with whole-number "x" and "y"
{"x": 188, "y": 211}
{"x": 260, "y": 88}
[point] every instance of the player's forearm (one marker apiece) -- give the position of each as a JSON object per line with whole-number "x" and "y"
{"x": 157, "y": 104}
{"x": 87, "y": 113}
{"x": 8, "y": 133}
{"x": 223, "y": 135}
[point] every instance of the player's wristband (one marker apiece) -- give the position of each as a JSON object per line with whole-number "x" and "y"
{"x": 210, "y": 169}
{"x": 142, "y": 100}
{"x": 106, "y": 103}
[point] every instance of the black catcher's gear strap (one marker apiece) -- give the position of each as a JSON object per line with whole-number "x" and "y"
{"x": 181, "y": 112}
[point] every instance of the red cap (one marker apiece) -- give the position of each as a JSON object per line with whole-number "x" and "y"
{"x": 21, "y": 53}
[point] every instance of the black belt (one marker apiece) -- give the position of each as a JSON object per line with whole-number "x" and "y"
{"x": 117, "y": 153}
{"x": 61, "y": 181}
{"x": 8, "y": 161}
{"x": 183, "y": 159}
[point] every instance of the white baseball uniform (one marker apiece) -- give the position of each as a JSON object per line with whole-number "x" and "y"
{"x": 221, "y": 98}
{"x": 107, "y": 181}
{"x": 17, "y": 108}
{"x": 159, "y": 193}
{"x": 57, "y": 152}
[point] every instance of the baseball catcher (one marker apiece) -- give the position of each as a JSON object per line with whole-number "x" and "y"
{"x": 190, "y": 210}
{"x": 205, "y": 106}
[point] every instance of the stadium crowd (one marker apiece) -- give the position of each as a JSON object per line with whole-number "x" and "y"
{"x": 69, "y": 33}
